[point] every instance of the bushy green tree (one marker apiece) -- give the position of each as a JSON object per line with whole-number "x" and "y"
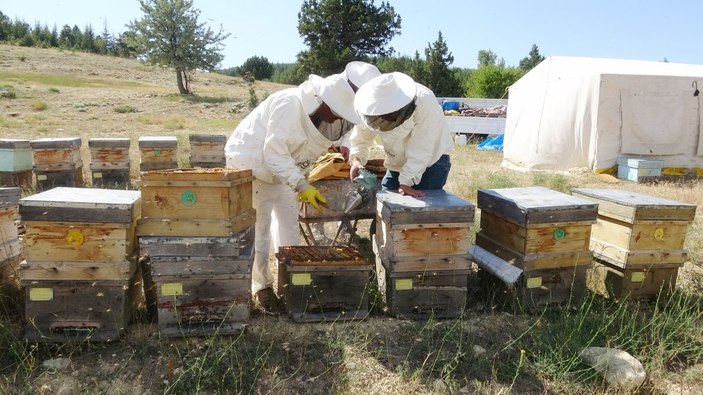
{"x": 532, "y": 60}
{"x": 337, "y": 32}
{"x": 169, "y": 34}
{"x": 492, "y": 81}
{"x": 486, "y": 57}
{"x": 258, "y": 66}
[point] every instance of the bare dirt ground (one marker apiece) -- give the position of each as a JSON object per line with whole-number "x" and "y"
{"x": 82, "y": 93}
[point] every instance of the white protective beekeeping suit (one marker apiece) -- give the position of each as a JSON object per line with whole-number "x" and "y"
{"x": 280, "y": 143}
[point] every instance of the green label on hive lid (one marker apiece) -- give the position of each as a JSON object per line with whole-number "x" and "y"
{"x": 188, "y": 198}
{"x": 157, "y": 152}
{"x": 559, "y": 234}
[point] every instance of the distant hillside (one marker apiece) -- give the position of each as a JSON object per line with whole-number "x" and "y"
{"x": 53, "y": 93}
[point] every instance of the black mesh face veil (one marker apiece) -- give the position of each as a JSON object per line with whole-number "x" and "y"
{"x": 390, "y": 121}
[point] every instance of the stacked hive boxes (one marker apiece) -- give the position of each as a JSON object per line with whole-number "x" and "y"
{"x": 57, "y": 162}
{"x": 323, "y": 283}
{"x": 207, "y": 150}
{"x": 543, "y": 232}
{"x": 81, "y": 277}
{"x": 15, "y": 163}
{"x": 109, "y": 161}
{"x": 197, "y": 230}
{"x": 637, "y": 242}
{"x": 10, "y": 244}
{"x": 421, "y": 259}
{"x": 158, "y": 153}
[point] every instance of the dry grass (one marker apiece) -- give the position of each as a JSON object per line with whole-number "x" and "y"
{"x": 379, "y": 355}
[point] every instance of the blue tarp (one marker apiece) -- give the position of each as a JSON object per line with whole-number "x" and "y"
{"x": 491, "y": 144}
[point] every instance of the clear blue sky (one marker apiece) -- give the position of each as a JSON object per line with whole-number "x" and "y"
{"x": 627, "y": 29}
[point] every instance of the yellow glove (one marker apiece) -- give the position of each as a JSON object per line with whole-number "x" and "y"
{"x": 313, "y": 196}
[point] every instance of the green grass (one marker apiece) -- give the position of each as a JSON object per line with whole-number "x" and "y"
{"x": 58, "y": 80}
{"x": 199, "y": 99}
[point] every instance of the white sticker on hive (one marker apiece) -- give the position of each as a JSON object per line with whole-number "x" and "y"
{"x": 403, "y": 284}
{"x": 41, "y": 177}
{"x": 301, "y": 279}
{"x": 171, "y": 289}
{"x": 534, "y": 282}
{"x": 41, "y": 294}
{"x": 98, "y": 175}
{"x": 637, "y": 277}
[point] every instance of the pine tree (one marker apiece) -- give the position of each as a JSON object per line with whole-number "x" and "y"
{"x": 534, "y": 58}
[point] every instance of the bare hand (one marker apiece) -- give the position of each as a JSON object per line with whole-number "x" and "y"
{"x": 408, "y": 190}
{"x": 355, "y": 168}
{"x": 345, "y": 152}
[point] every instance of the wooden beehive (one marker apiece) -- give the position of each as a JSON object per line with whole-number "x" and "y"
{"x": 57, "y": 162}
{"x": 207, "y": 150}
{"x": 79, "y": 245}
{"x": 15, "y": 163}
{"x": 324, "y": 283}
{"x": 638, "y": 240}
{"x": 421, "y": 252}
{"x": 10, "y": 243}
{"x": 158, "y": 153}
{"x": 543, "y": 232}
{"x": 200, "y": 285}
{"x": 196, "y": 202}
{"x": 109, "y": 161}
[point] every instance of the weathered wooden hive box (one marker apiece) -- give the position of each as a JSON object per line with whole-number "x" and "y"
{"x": 638, "y": 241}
{"x": 10, "y": 243}
{"x": 109, "y": 161}
{"x": 201, "y": 285}
{"x": 207, "y": 150}
{"x": 15, "y": 163}
{"x": 57, "y": 162}
{"x": 158, "y": 153}
{"x": 543, "y": 232}
{"x": 421, "y": 248}
{"x": 196, "y": 202}
{"x": 80, "y": 276}
{"x": 324, "y": 283}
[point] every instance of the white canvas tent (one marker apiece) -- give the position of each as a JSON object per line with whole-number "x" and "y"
{"x": 572, "y": 112}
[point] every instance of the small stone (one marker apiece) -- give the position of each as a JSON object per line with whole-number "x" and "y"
{"x": 619, "y": 368}
{"x": 56, "y": 363}
{"x": 478, "y": 350}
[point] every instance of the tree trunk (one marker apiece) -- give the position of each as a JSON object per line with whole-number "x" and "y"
{"x": 182, "y": 80}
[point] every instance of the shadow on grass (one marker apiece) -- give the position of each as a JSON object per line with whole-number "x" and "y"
{"x": 201, "y": 99}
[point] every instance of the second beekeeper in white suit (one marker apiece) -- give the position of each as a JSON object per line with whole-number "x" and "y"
{"x": 280, "y": 140}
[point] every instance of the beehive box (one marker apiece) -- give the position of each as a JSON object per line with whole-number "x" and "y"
{"x": 419, "y": 294}
{"x": 638, "y": 238}
{"x": 422, "y": 265}
{"x": 10, "y": 243}
{"x": 77, "y": 311}
{"x": 196, "y": 202}
{"x": 158, "y": 153}
{"x": 15, "y": 155}
{"x": 543, "y": 232}
{"x": 207, "y": 150}
{"x": 324, "y": 283}
{"x": 80, "y": 277}
{"x": 56, "y": 154}
{"x": 200, "y": 285}
{"x": 109, "y": 162}
{"x": 80, "y": 225}
{"x": 57, "y": 162}
{"x": 427, "y": 233}
{"x": 639, "y": 169}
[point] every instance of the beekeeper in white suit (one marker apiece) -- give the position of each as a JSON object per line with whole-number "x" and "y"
{"x": 280, "y": 140}
{"x": 356, "y": 73}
